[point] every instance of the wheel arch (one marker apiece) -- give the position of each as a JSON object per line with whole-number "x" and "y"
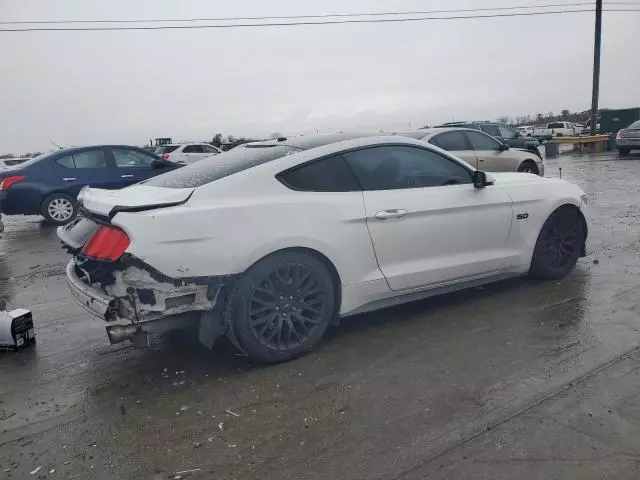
{"x": 530, "y": 161}
{"x": 54, "y": 192}
{"x": 565, "y": 204}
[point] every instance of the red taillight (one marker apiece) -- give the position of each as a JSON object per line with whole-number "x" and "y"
{"x": 6, "y": 182}
{"x": 165, "y": 156}
{"x": 107, "y": 243}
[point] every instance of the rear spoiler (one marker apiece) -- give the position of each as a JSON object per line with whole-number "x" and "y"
{"x": 123, "y": 208}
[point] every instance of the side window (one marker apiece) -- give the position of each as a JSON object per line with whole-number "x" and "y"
{"x": 450, "y": 141}
{"x": 507, "y": 132}
{"x": 126, "y": 158}
{"x": 90, "y": 159}
{"x": 492, "y": 130}
{"x": 192, "y": 149}
{"x": 399, "y": 167}
{"x": 209, "y": 149}
{"x": 480, "y": 141}
{"x": 330, "y": 174}
{"x": 66, "y": 162}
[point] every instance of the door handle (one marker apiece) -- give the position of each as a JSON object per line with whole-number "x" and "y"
{"x": 126, "y": 176}
{"x": 68, "y": 179}
{"x": 384, "y": 214}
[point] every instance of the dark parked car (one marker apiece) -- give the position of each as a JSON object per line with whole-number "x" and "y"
{"x": 628, "y": 138}
{"x": 503, "y": 132}
{"x": 49, "y": 184}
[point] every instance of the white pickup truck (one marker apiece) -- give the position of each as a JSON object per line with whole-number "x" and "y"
{"x": 555, "y": 129}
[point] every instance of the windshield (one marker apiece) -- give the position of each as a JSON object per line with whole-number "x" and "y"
{"x": 221, "y": 165}
{"x": 635, "y": 124}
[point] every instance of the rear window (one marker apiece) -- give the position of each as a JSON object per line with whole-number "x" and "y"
{"x": 222, "y": 165}
{"x": 556, "y": 125}
{"x": 166, "y": 149}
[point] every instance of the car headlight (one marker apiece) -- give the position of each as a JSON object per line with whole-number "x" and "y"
{"x": 585, "y": 199}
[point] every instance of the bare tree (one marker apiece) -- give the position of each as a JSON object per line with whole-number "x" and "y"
{"x": 217, "y": 140}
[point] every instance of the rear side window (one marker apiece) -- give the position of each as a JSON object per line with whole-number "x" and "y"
{"x": 88, "y": 159}
{"x": 166, "y": 149}
{"x": 330, "y": 174}
{"x": 66, "y": 162}
{"x": 450, "y": 141}
{"x": 234, "y": 161}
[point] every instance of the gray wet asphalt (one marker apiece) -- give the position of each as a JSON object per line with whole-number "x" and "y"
{"x": 520, "y": 379}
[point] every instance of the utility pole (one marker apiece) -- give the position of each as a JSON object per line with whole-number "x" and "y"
{"x": 596, "y": 68}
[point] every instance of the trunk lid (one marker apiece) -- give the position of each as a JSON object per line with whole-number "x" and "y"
{"x": 135, "y": 198}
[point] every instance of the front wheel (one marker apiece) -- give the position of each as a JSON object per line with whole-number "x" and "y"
{"x": 624, "y": 151}
{"x": 281, "y": 307}
{"x": 559, "y": 244}
{"x": 59, "y": 208}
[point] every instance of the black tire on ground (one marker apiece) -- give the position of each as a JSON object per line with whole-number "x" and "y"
{"x": 559, "y": 244}
{"x": 281, "y": 307}
{"x": 529, "y": 166}
{"x": 624, "y": 151}
{"x": 59, "y": 208}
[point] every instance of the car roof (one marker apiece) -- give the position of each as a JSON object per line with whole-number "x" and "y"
{"x": 181, "y": 144}
{"x": 307, "y": 142}
{"x": 431, "y": 132}
{"x": 336, "y": 141}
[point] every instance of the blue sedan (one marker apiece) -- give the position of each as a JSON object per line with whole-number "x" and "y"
{"x": 49, "y": 184}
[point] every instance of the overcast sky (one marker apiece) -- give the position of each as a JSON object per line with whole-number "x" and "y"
{"x": 128, "y": 86}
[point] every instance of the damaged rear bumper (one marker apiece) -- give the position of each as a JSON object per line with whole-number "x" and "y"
{"x": 147, "y": 303}
{"x": 92, "y": 299}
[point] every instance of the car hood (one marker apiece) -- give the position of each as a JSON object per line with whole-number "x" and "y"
{"x": 135, "y": 198}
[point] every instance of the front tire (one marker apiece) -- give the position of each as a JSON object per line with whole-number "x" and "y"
{"x": 559, "y": 244}
{"x": 59, "y": 208}
{"x": 281, "y": 307}
{"x": 624, "y": 151}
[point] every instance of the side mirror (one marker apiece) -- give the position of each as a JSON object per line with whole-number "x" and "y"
{"x": 480, "y": 179}
{"x": 503, "y": 147}
{"x": 158, "y": 164}
{"x": 518, "y": 135}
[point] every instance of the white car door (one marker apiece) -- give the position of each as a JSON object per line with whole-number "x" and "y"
{"x": 492, "y": 155}
{"x": 428, "y": 224}
{"x": 456, "y": 143}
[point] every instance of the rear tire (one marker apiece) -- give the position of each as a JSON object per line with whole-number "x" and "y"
{"x": 529, "y": 166}
{"x": 559, "y": 244}
{"x": 624, "y": 151}
{"x": 281, "y": 307}
{"x": 59, "y": 208}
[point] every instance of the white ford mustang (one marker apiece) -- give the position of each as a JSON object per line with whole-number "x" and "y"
{"x": 275, "y": 240}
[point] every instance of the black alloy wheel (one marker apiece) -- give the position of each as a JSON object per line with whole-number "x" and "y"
{"x": 282, "y": 306}
{"x": 286, "y": 307}
{"x": 559, "y": 244}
